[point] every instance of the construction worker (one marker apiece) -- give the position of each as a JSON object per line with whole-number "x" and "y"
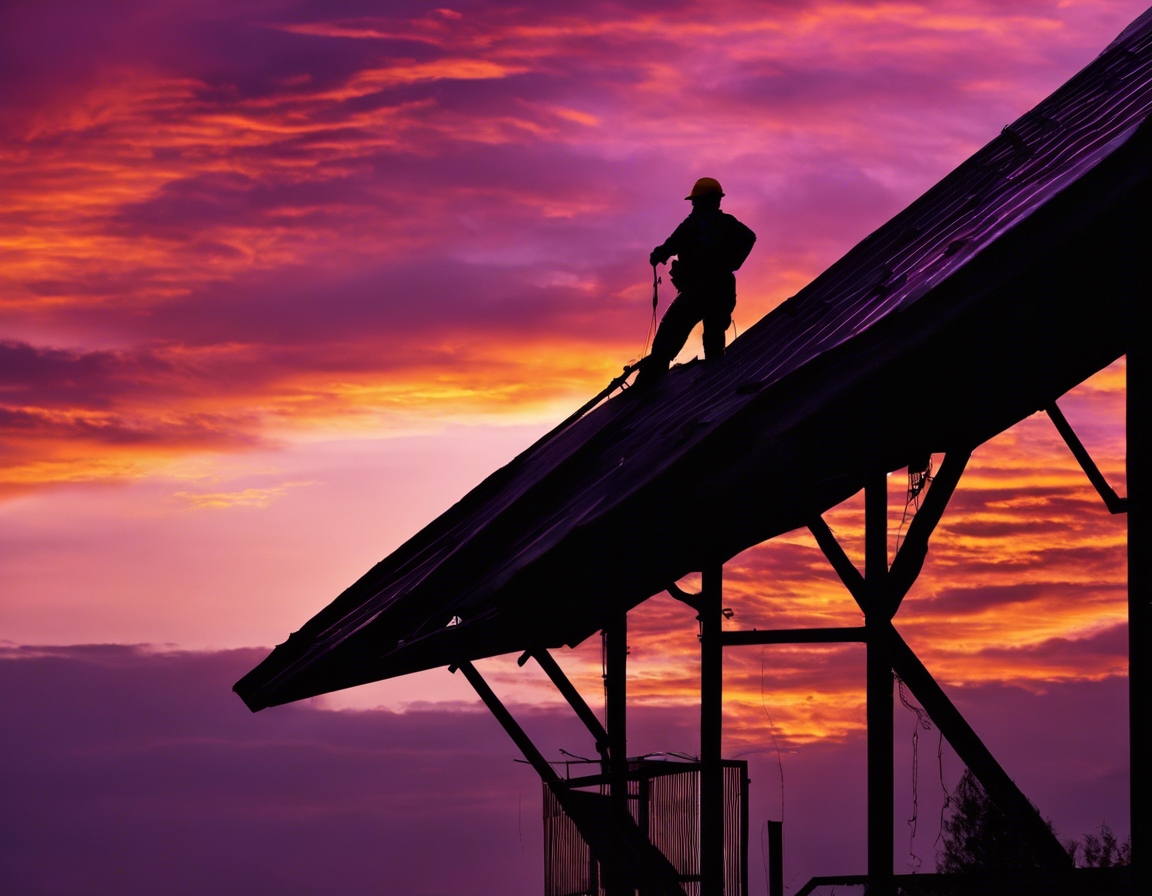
{"x": 709, "y": 246}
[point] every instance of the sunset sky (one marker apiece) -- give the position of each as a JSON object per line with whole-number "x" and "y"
{"x": 278, "y": 285}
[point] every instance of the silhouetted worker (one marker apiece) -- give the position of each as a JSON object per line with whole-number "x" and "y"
{"x": 710, "y": 245}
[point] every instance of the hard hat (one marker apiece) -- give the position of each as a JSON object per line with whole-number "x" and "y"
{"x": 704, "y": 186}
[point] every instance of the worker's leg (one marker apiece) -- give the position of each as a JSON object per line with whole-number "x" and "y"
{"x": 717, "y": 320}
{"x": 682, "y": 315}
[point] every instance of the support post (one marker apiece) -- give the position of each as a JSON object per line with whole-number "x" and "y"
{"x": 881, "y": 808}
{"x": 711, "y": 731}
{"x": 616, "y": 704}
{"x": 1140, "y": 605}
{"x": 775, "y": 858}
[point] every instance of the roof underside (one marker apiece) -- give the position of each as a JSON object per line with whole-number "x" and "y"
{"x": 1004, "y": 286}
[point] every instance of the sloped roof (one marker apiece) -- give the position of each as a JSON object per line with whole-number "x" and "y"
{"x": 1003, "y": 286}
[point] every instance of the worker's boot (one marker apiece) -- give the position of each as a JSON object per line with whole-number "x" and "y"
{"x": 652, "y": 370}
{"x": 713, "y": 345}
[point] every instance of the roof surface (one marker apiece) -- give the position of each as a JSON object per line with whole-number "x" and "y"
{"x": 1002, "y": 287}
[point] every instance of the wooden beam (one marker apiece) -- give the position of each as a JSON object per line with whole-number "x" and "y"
{"x": 1112, "y": 501}
{"x": 711, "y": 732}
{"x": 616, "y": 704}
{"x": 535, "y": 758}
{"x": 1139, "y": 465}
{"x": 844, "y": 567}
{"x": 910, "y": 558}
{"x": 881, "y": 808}
{"x": 616, "y": 719}
{"x": 775, "y": 858}
{"x": 794, "y": 636}
{"x": 575, "y": 700}
{"x": 1001, "y": 789}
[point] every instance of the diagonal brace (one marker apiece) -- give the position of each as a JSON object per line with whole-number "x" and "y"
{"x": 612, "y": 835}
{"x": 535, "y": 758}
{"x": 575, "y": 700}
{"x": 910, "y": 558}
{"x": 1001, "y": 789}
{"x": 844, "y": 567}
{"x": 1112, "y": 501}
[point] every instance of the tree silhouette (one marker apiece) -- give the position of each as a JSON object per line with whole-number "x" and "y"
{"x": 1104, "y": 851}
{"x": 976, "y": 836}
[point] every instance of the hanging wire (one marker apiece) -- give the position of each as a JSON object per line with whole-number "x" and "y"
{"x": 947, "y": 793}
{"x": 922, "y": 722}
{"x": 604, "y": 676}
{"x": 775, "y": 742}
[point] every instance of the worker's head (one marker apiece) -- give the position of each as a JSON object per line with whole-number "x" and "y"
{"x": 706, "y": 193}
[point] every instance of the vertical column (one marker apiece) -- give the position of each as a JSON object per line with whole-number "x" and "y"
{"x": 1139, "y": 606}
{"x": 879, "y": 687}
{"x": 711, "y": 729}
{"x": 775, "y": 858}
{"x": 616, "y": 704}
{"x": 615, "y": 716}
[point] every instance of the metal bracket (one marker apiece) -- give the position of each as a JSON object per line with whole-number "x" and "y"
{"x": 692, "y": 600}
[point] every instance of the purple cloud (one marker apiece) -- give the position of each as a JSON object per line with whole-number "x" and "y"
{"x": 131, "y": 770}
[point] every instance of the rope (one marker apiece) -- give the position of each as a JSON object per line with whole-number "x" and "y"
{"x": 656, "y": 281}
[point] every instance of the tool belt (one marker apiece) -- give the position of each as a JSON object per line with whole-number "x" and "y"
{"x": 689, "y": 278}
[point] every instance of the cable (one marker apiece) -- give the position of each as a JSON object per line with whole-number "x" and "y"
{"x": 772, "y": 731}
{"x": 947, "y": 794}
{"x": 922, "y": 721}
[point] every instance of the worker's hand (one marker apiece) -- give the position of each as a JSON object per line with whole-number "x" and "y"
{"x": 655, "y": 259}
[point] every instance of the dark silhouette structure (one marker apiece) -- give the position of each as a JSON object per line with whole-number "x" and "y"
{"x": 710, "y": 247}
{"x": 1014, "y": 279}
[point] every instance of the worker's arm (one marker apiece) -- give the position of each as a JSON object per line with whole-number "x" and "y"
{"x": 740, "y": 242}
{"x": 669, "y": 247}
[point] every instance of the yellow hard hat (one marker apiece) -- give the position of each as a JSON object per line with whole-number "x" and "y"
{"x": 704, "y": 186}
